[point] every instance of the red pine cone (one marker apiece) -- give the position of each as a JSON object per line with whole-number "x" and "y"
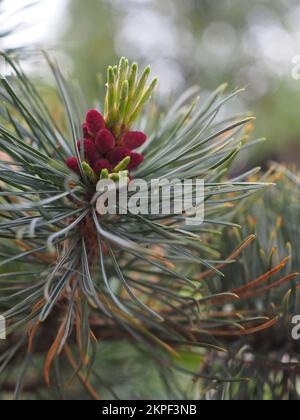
{"x": 72, "y": 164}
{"x": 90, "y": 152}
{"x": 136, "y": 160}
{"x": 102, "y": 164}
{"x": 94, "y": 122}
{"x": 134, "y": 139}
{"x": 100, "y": 146}
{"x": 116, "y": 155}
{"x": 105, "y": 141}
{"x": 85, "y": 131}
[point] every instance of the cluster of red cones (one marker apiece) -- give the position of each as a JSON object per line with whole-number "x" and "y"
{"x": 102, "y": 150}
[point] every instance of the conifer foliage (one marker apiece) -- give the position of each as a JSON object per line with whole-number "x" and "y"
{"x": 73, "y": 282}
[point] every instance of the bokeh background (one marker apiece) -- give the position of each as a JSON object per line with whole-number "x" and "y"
{"x": 253, "y": 44}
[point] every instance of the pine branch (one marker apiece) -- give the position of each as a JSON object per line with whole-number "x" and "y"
{"x": 150, "y": 279}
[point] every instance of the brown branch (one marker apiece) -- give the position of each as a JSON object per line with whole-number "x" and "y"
{"x": 27, "y": 387}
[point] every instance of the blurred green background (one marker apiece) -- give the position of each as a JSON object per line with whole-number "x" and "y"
{"x": 253, "y": 44}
